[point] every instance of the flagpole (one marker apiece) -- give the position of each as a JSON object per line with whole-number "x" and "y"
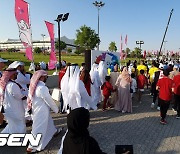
{"x": 31, "y": 36}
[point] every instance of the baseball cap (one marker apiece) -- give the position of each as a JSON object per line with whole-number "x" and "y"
{"x": 176, "y": 66}
{"x": 3, "y": 60}
{"x": 15, "y": 64}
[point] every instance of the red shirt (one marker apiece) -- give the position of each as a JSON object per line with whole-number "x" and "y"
{"x": 61, "y": 74}
{"x": 141, "y": 81}
{"x": 176, "y": 85}
{"x": 165, "y": 92}
{"x": 107, "y": 88}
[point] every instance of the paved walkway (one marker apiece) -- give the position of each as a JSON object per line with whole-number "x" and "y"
{"x": 140, "y": 129}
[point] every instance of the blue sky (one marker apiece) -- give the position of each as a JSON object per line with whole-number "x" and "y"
{"x": 140, "y": 19}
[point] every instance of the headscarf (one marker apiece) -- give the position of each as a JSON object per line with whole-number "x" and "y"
{"x": 74, "y": 98}
{"x": 33, "y": 84}
{"x": 125, "y": 75}
{"x": 102, "y": 71}
{"x": 4, "y": 80}
{"x": 77, "y": 138}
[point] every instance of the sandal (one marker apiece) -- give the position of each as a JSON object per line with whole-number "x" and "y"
{"x": 59, "y": 130}
{"x": 104, "y": 110}
{"x": 29, "y": 150}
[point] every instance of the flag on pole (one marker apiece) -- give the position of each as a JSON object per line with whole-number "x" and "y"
{"x": 144, "y": 56}
{"x": 121, "y": 48}
{"x": 23, "y": 22}
{"x": 52, "y": 59}
{"x": 126, "y": 39}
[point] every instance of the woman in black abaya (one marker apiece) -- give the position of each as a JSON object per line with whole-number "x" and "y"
{"x": 77, "y": 139}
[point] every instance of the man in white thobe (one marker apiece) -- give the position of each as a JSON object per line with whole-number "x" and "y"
{"x": 23, "y": 79}
{"x": 11, "y": 99}
{"x": 78, "y": 95}
{"x": 41, "y": 102}
{"x": 95, "y": 87}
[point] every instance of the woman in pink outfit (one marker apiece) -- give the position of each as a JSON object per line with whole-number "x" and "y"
{"x": 124, "y": 102}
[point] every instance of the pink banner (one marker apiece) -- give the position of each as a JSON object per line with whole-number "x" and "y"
{"x": 22, "y": 17}
{"x": 53, "y": 60}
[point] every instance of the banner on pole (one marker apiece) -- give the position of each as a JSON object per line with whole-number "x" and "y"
{"x": 52, "y": 60}
{"x": 23, "y": 22}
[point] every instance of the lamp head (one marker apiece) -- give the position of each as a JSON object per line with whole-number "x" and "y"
{"x": 59, "y": 17}
{"x": 65, "y": 17}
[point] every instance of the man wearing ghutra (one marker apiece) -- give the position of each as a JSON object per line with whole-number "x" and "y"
{"x": 23, "y": 79}
{"x": 40, "y": 101}
{"x": 11, "y": 99}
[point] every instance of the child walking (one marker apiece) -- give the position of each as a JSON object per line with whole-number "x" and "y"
{"x": 133, "y": 85}
{"x": 141, "y": 81}
{"x": 107, "y": 88}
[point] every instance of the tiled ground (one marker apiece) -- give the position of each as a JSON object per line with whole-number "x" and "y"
{"x": 140, "y": 129}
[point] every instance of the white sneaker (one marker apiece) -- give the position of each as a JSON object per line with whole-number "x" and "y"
{"x": 152, "y": 105}
{"x": 158, "y": 108}
{"x": 177, "y": 117}
{"x": 123, "y": 111}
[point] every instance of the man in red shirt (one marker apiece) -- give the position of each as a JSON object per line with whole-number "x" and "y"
{"x": 164, "y": 86}
{"x": 176, "y": 90}
{"x": 141, "y": 81}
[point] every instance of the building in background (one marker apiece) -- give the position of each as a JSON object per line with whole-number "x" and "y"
{"x": 45, "y": 44}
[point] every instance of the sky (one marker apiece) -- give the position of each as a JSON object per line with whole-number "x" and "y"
{"x": 144, "y": 20}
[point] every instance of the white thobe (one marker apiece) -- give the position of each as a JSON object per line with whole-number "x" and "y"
{"x": 95, "y": 87}
{"x": 23, "y": 80}
{"x": 84, "y": 99}
{"x": 14, "y": 110}
{"x": 43, "y": 123}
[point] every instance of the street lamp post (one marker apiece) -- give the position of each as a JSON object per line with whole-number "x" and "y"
{"x": 60, "y": 17}
{"x": 140, "y": 43}
{"x": 99, "y": 5}
{"x": 43, "y": 35}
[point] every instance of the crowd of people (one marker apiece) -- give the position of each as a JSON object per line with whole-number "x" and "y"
{"x": 25, "y": 99}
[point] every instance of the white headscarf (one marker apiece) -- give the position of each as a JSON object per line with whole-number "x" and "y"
{"x": 102, "y": 71}
{"x": 74, "y": 91}
{"x": 65, "y": 87}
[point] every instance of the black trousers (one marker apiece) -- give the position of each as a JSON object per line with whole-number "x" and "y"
{"x": 164, "y": 105}
{"x": 61, "y": 103}
{"x": 155, "y": 93}
{"x": 177, "y": 103}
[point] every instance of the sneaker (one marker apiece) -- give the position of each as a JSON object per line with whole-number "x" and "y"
{"x": 177, "y": 117}
{"x": 140, "y": 102}
{"x": 164, "y": 122}
{"x": 158, "y": 108}
{"x": 152, "y": 105}
{"x": 123, "y": 111}
{"x": 174, "y": 110}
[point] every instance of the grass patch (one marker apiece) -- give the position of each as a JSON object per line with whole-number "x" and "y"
{"x": 16, "y": 56}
